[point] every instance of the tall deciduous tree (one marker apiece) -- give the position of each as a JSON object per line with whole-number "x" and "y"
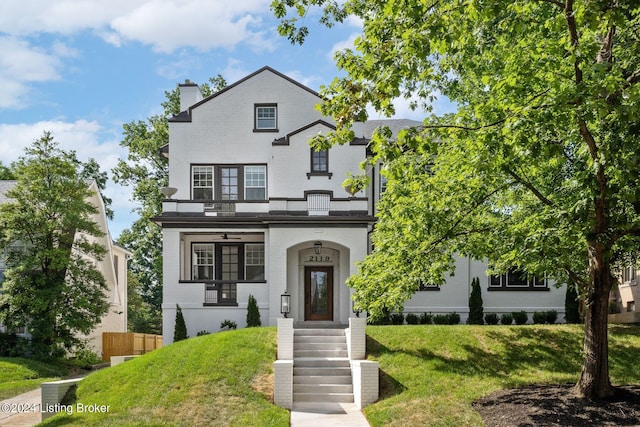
{"x": 146, "y": 171}
{"x": 537, "y": 170}
{"x": 52, "y": 284}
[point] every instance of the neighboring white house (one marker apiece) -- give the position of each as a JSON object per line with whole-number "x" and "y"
{"x": 252, "y": 209}
{"x": 113, "y": 267}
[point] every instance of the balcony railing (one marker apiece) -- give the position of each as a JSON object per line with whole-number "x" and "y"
{"x": 220, "y": 209}
{"x": 222, "y": 292}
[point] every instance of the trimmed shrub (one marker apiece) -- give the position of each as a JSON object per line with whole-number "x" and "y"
{"x": 385, "y": 319}
{"x": 551, "y": 316}
{"x": 476, "y": 310}
{"x": 253, "y": 313}
{"x": 426, "y": 318}
{"x": 201, "y": 333}
{"x": 491, "y": 318}
{"x": 180, "y": 331}
{"x": 440, "y": 319}
{"x": 571, "y": 305}
{"x": 539, "y": 317}
{"x": 454, "y": 318}
{"x": 228, "y": 323}
{"x": 397, "y": 319}
{"x": 520, "y": 317}
{"x": 412, "y": 319}
{"x": 506, "y": 319}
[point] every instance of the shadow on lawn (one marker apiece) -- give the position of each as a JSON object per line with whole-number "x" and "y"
{"x": 389, "y": 386}
{"x": 528, "y": 350}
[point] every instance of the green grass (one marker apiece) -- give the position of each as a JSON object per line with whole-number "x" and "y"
{"x": 217, "y": 379}
{"x": 18, "y": 375}
{"x": 430, "y": 375}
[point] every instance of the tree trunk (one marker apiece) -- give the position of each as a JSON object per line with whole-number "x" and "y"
{"x": 594, "y": 380}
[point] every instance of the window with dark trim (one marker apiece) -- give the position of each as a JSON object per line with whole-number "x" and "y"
{"x": 424, "y": 286}
{"x": 229, "y": 182}
{"x": 266, "y": 118}
{"x": 319, "y": 163}
{"x": 515, "y": 279}
{"x": 227, "y": 261}
{"x": 222, "y": 265}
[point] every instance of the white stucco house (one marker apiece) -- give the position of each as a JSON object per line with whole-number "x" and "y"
{"x": 113, "y": 267}
{"x": 251, "y": 209}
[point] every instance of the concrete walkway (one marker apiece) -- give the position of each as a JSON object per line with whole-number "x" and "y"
{"x": 22, "y": 410}
{"x": 327, "y": 414}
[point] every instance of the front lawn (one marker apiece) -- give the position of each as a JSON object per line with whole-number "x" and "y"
{"x": 18, "y": 375}
{"x": 221, "y": 379}
{"x": 431, "y": 374}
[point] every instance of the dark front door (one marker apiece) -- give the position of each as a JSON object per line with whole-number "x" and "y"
{"x": 318, "y": 293}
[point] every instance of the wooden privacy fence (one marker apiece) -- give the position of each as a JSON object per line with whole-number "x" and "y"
{"x": 128, "y": 344}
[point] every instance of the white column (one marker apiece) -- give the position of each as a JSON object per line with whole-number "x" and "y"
{"x": 283, "y": 383}
{"x": 365, "y": 382}
{"x": 285, "y": 339}
{"x": 357, "y": 342}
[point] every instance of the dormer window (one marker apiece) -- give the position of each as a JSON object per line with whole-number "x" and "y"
{"x": 266, "y": 118}
{"x": 319, "y": 163}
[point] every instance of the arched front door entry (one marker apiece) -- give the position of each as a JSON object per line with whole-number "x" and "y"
{"x": 318, "y": 293}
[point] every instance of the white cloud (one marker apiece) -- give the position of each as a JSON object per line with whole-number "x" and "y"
{"x": 341, "y": 45}
{"x": 22, "y": 64}
{"x": 84, "y": 138}
{"x": 164, "y": 24}
{"x": 312, "y": 81}
{"x": 81, "y": 136}
{"x": 203, "y": 24}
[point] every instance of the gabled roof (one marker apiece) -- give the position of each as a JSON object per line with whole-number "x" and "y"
{"x": 185, "y": 116}
{"x": 285, "y": 139}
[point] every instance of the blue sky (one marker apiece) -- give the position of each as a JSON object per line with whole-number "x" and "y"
{"x": 83, "y": 68}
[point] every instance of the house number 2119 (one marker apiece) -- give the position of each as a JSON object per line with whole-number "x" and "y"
{"x": 319, "y": 258}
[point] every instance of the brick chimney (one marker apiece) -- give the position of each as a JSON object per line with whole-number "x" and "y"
{"x": 189, "y": 94}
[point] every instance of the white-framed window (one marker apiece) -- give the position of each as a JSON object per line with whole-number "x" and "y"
{"x": 254, "y": 261}
{"x": 628, "y": 273}
{"x": 255, "y": 182}
{"x": 266, "y": 117}
{"x": 517, "y": 279}
{"x": 202, "y": 182}
{"x": 203, "y": 261}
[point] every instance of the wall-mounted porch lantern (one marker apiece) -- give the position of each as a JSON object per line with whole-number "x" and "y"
{"x": 353, "y": 308}
{"x": 317, "y": 246}
{"x": 285, "y": 303}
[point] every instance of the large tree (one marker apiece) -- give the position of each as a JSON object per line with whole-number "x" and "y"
{"x": 147, "y": 171}
{"x": 52, "y": 285}
{"x": 537, "y": 170}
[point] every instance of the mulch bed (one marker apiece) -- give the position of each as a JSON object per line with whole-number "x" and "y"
{"x": 555, "y": 405}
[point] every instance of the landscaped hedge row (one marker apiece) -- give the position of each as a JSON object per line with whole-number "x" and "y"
{"x": 422, "y": 319}
{"x": 519, "y": 317}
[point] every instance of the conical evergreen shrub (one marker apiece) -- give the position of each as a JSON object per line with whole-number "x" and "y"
{"x": 476, "y": 311}
{"x": 253, "y": 314}
{"x": 180, "y": 331}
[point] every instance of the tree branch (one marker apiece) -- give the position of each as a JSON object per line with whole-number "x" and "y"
{"x": 573, "y": 34}
{"x": 575, "y": 278}
{"x": 530, "y": 187}
{"x": 556, "y": 2}
{"x": 449, "y": 233}
{"x": 463, "y": 127}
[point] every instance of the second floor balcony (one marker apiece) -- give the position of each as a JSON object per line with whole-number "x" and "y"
{"x": 312, "y": 204}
